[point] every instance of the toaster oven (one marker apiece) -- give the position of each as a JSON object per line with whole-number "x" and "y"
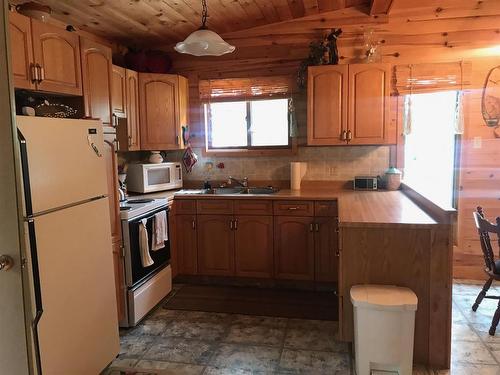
{"x": 365, "y": 183}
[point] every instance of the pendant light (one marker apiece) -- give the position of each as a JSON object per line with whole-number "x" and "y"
{"x": 204, "y": 42}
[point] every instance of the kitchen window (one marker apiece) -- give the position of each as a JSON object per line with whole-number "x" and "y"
{"x": 248, "y": 124}
{"x": 248, "y": 115}
{"x": 432, "y": 135}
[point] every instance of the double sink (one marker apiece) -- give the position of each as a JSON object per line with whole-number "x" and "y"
{"x": 241, "y": 190}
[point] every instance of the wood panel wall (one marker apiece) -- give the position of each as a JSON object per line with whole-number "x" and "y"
{"x": 435, "y": 31}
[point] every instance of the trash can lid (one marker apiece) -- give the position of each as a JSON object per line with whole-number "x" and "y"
{"x": 384, "y": 297}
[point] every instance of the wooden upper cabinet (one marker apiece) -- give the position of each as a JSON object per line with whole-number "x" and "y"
{"x": 96, "y": 74}
{"x": 119, "y": 92}
{"x": 21, "y": 50}
{"x": 254, "y": 246}
{"x": 163, "y": 110}
{"x": 215, "y": 245}
{"x": 294, "y": 248}
{"x": 110, "y": 157}
{"x": 132, "y": 109}
{"x": 57, "y": 51}
{"x": 327, "y": 104}
{"x": 369, "y": 103}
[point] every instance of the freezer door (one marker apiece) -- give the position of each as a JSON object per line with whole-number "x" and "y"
{"x": 61, "y": 160}
{"x": 78, "y": 328}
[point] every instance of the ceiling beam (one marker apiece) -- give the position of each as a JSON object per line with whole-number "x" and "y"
{"x": 380, "y": 7}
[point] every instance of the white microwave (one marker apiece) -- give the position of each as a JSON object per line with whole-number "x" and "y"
{"x": 147, "y": 178}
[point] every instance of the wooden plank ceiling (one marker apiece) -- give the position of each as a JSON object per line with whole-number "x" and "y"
{"x": 153, "y": 22}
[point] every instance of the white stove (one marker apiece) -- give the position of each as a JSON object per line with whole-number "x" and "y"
{"x": 137, "y": 206}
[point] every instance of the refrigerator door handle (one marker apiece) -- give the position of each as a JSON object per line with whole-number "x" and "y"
{"x": 37, "y": 292}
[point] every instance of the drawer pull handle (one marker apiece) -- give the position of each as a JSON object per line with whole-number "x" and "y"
{"x": 316, "y": 227}
{"x": 236, "y": 224}
{"x": 311, "y": 227}
{"x": 231, "y": 224}
{"x": 292, "y": 208}
{"x": 193, "y": 224}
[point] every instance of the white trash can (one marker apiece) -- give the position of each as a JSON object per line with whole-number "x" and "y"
{"x": 384, "y": 324}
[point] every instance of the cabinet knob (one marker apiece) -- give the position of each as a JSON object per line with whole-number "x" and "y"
{"x": 193, "y": 224}
{"x": 236, "y": 224}
{"x": 349, "y": 135}
{"x": 316, "y": 227}
{"x": 343, "y": 135}
{"x": 6, "y": 262}
{"x": 311, "y": 227}
{"x": 34, "y": 73}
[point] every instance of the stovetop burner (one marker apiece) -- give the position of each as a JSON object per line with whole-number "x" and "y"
{"x": 145, "y": 200}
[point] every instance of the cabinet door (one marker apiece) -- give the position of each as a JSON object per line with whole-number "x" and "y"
{"x": 369, "y": 103}
{"x": 57, "y": 51}
{"x": 132, "y": 108}
{"x": 21, "y": 50}
{"x": 119, "y": 279}
{"x": 118, "y": 91}
{"x": 294, "y": 248}
{"x": 187, "y": 251}
{"x": 326, "y": 249}
{"x": 254, "y": 246}
{"x": 215, "y": 245}
{"x": 326, "y": 105}
{"x": 112, "y": 182}
{"x": 96, "y": 75}
{"x": 159, "y": 111}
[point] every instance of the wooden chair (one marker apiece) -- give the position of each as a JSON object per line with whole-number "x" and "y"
{"x": 492, "y": 266}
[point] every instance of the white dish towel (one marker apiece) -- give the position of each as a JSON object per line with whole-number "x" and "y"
{"x": 160, "y": 231}
{"x": 146, "y": 259}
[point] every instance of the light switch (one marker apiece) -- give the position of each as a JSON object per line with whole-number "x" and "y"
{"x": 477, "y": 142}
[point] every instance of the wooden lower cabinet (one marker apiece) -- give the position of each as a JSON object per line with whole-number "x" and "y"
{"x": 186, "y": 244}
{"x": 215, "y": 245}
{"x": 294, "y": 248}
{"x": 119, "y": 279}
{"x": 254, "y": 246}
{"x": 326, "y": 249}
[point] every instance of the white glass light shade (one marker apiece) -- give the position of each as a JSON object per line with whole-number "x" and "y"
{"x": 204, "y": 42}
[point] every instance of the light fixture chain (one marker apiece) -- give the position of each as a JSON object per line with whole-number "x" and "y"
{"x": 204, "y": 12}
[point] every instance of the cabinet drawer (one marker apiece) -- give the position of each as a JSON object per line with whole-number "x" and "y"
{"x": 294, "y": 208}
{"x": 185, "y": 207}
{"x": 325, "y": 208}
{"x": 214, "y": 206}
{"x": 253, "y": 207}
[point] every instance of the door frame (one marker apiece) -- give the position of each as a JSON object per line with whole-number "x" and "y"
{"x": 15, "y": 355}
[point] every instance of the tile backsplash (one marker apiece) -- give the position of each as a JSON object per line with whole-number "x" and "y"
{"x": 323, "y": 164}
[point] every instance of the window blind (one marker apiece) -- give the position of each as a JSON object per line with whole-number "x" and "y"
{"x": 245, "y": 88}
{"x": 420, "y": 78}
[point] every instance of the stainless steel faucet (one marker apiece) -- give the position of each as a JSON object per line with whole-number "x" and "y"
{"x": 243, "y": 182}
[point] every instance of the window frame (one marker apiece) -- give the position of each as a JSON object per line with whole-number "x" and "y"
{"x": 288, "y": 149}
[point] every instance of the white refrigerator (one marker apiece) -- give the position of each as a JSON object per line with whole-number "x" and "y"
{"x": 69, "y": 258}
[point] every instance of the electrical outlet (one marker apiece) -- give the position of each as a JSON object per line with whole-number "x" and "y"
{"x": 477, "y": 142}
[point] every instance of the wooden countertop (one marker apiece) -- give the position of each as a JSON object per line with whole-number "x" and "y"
{"x": 356, "y": 208}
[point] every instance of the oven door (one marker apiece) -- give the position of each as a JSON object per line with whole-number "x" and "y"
{"x": 135, "y": 273}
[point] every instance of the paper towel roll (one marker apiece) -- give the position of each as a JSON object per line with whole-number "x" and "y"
{"x": 297, "y": 172}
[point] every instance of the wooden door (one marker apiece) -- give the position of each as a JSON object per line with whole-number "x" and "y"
{"x": 186, "y": 246}
{"x": 294, "y": 248}
{"x": 326, "y": 249}
{"x": 21, "y": 50}
{"x": 132, "y": 105}
{"x": 369, "y": 103}
{"x": 159, "y": 111}
{"x": 254, "y": 246}
{"x": 215, "y": 245}
{"x": 96, "y": 75}
{"x": 119, "y": 92}
{"x": 119, "y": 280}
{"x": 327, "y": 105}
{"x": 57, "y": 51}
{"x": 112, "y": 181}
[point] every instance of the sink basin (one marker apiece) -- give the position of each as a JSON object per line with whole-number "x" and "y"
{"x": 217, "y": 191}
{"x": 260, "y": 190}
{"x": 241, "y": 190}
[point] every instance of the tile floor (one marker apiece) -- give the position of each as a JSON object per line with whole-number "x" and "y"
{"x": 185, "y": 342}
